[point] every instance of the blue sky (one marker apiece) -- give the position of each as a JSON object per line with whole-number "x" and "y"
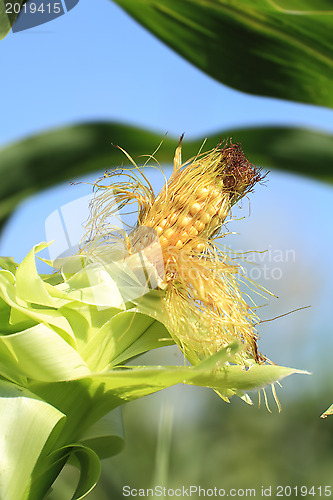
{"x": 96, "y": 63}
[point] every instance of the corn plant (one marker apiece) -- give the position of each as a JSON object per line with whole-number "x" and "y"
{"x": 67, "y": 336}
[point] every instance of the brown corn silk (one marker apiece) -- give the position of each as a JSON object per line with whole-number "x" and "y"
{"x": 206, "y": 310}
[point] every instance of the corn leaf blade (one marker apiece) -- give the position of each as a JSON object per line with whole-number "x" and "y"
{"x": 43, "y": 160}
{"x": 8, "y": 15}
{"x": 279, "y": 49}
{"x": 26, "y": 425}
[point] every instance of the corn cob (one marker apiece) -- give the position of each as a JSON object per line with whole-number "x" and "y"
{"x": 205, "y": 307}
{"x": 195, "y": 203}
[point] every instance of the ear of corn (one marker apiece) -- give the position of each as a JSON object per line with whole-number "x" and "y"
{"x": 176, "y": 231}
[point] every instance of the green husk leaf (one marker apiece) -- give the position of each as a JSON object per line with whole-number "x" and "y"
{"x": 8, "y": 264}
{"x": 22, "y": 311}
{"x": 155, "y": 336}
{"x": 85, "y": 459}
{"x": 125, "y": 335}
{"x": 26, "y": 424}
{"x": 64, "y": 360}
{"x": 93, "y": 285}
{"x": 105, "y": 437}
{"x": 237, "y": 378}
{"x": 113, "y": 388}
{"x": 29, "y": 285}
{"x": 40, "y": 353}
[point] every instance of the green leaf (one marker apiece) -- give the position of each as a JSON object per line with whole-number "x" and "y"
{"x": 96, "y": 335}
{"x": 40, "y": 353}
{"x": 268, "y": 47}
{"x": 86, "y": 400}
{"x": 67, "y": 153}
{"x": 8, "y": 264}
{"x": 90, "y": 470}
{"x": 22, "y": 310}
{"x": 237, "y": 378}
{"x": 29, "y": 285}
{"x": 49, "y": 467}
{"x": 43, "y": 160}
{"x": 124, "y": 336}
{"x": 89, "y": 287}
{"x": 8, "y": 15}
{"x": 105, "y": 437}
{"x": 30, "y": 431}
{"x": 26, "y": 425}
{"x": 295, "y": 150}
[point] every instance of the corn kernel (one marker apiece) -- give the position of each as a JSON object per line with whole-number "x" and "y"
{"x": 222, "y": 212}
{"x": 215, "y": 193}
{"x": 202, "y": 192}
{"x": 158, "y": 230}
{"x": 199, "y": 225}
{"x": 205, "y": 217}
{"x": 195, "y": 208}
{"x": 168, "y": 233}
{"x": 192, "y": 232}
{"x": 211, "y": 210}
{"x": 183, "y": 220}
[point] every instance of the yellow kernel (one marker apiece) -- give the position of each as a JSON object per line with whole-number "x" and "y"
{"x": 179, "y": 244}
{"x": 168, "y": 233}
{"x": 211, "y": 210}
{"x": 192, "y": 232}
{"x": 183, "y": 236}
{"x": 205, "y": 217}
{"x": 183, "y": 220}
{"x": 195, "y": 208}
{"x": 199, "y": 225}
{"x": 202, "y": 192}
{"x": 158, "y": 230}
{"x": 214, "y": 193}
{"x": 163, "y": 222}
